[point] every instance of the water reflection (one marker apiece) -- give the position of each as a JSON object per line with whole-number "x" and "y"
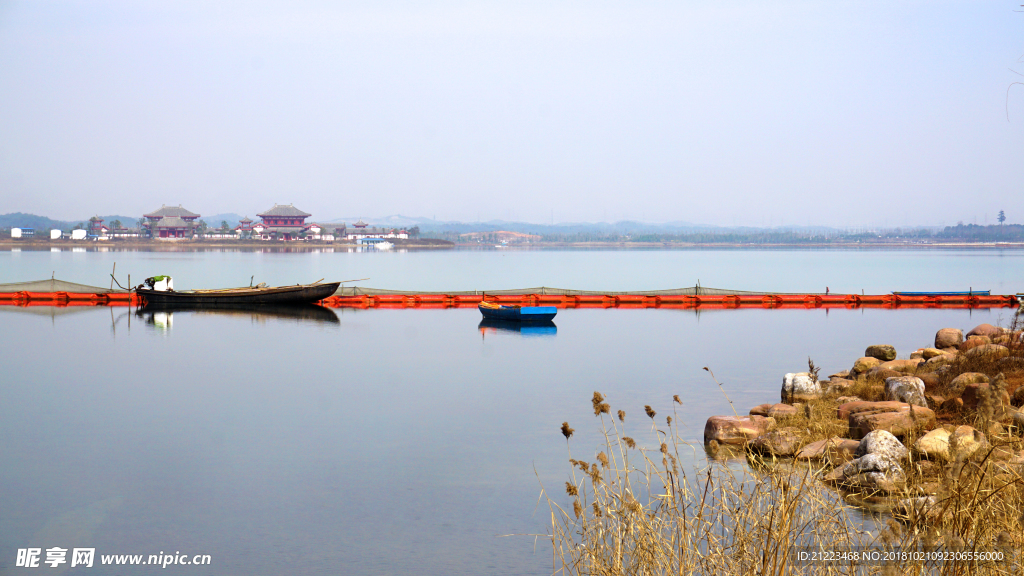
{"x": 528, "y": 329}
{"x": 162, "y": 318}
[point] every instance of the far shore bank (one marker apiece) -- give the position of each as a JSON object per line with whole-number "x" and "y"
{"x": 432, "y": 244}
{"x": 191, "y": 245}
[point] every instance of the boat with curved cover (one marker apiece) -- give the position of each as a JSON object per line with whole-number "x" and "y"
{"x": 259, "y": 295}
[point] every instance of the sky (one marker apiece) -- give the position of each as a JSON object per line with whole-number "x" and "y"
{"x": 779, "y": 113}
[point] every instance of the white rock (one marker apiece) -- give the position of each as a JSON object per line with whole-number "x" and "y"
{"x": 909, "y": 389}
{"x": 799, "y": 387}
{"x": 882, "y": 443}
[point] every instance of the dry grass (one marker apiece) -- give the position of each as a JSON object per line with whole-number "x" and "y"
{"x": 632, "y": 508}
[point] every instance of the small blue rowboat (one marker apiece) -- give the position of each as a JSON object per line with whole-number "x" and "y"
{"x": 517, "y": 313}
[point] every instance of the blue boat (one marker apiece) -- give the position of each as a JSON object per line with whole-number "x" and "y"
{"x": 968, "y": 293}
{"x": 517, "y": 313}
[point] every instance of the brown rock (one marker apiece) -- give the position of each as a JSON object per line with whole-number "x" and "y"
{"x": 934, "y": 444}
{"x": 971, "y": 344}
{"x": 930, "y": 379}
{"x": 983, "y": 339}
{"x": 736, "y": 430}
{"x": 934, "y": 401}
{"x": 991, "y": 352}
{"x": 783, "y": 410}
{"x": 834, "y": 450}
{"x": 883, "y": 352}
{"x": 895, "y": 417}
{"x": 847, "y": 399}
{"x": 760, "y": 410}
{"x": 864, "y": 364}
{"x": 838, "y": 385}
{"x": 902, "y": 365}
{"x": 985, "y": 330}
{"x": 1017, "y": 399}
{"x": 881, "y": 373}
{"x": 917, "y": 354}
{"x": 948, "y": 337}
{"x": 780, "y": 443}
{"x": 840, "y": 374}
{"x": 954, "y": 405}
{"x": 929, "y": 353}
{"x": 933, "y": 363}
{"x": 973, "y": 393}
{"x": 966, "y": 441}
{"x": 958, "y": 383}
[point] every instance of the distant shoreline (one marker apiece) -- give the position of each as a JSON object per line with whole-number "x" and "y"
{"x": 432, "y": 243}
{"x": 187, "y": 245}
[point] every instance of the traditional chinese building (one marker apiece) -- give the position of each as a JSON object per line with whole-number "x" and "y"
{"x": 173, "y": 227}
{"x": 244, "y": 228}
{"x": 181, "y": 224}
{"x": 96, "y": 228}
{"x": 282, "y": 223}
{"x": 361, "y": 230}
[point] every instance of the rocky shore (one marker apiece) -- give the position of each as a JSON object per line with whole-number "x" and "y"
{"x": 903, "y": 436}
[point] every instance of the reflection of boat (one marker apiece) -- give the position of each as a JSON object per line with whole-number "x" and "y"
{"x": 544, "y": 328}
{"x": 517, "y": 313}
{"x": 281, "y": 295}
{"x": 161, "y": 315}
{"x": 385, "y": 245}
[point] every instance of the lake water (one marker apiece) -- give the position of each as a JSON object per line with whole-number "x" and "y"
{"x": 393, "y": 441}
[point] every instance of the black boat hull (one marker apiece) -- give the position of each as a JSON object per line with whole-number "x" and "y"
{"x": 283, "y": 295}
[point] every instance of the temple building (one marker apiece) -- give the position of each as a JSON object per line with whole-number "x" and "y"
{"x": 244, "y": 228}
{"x": 170, "y": 222}
{"x": 281, "y": 223}
{"x": 363, "y": 230}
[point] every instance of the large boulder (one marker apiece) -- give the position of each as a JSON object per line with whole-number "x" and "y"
{"x": 782, "y": 411}
{"x": 883, "y": 352}
{"x": 864, "y": 364}
{"x": 1018, "y": 420}
{"x": 838, "y": 386}
{"x": 958, "y": 384}
{"x": 991, "y": 352}
{"x": 899, "y": 418}
{"x": 902, "y": 365}
{"x": 935, "y": 362}
{"x": 800, "y": 387}
{"x": 833, "y": 450}
{"x": 965, "y": 441}
{"x": 760, "y": 410}
{"x": 985, "y": 330}
{"x": 871, "y": 473}
{"x": 906, "y": 389}
{"x": 1017, "y": 399}
{"x": 934, "y": 445}
{"x": 882, "y": 443}
{"x": 973, "y": 395}
{"x": 930, "y": 379}
{"x": 880, "y": 373}
{"x": 779, "y": 443}
{"x": 736, "y": 430}
{"x": 948, "y": 337}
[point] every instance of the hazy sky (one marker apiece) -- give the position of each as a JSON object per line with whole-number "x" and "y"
{"x": 751, "y": 113}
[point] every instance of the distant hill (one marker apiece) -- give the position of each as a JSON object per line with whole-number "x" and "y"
{"x": 215, "y": 220}
{"x": 22, "y": 220}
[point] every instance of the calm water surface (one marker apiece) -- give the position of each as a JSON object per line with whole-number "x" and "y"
{"x": 385, "y": 441}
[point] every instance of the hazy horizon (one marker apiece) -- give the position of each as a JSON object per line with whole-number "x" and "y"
{"x": 731, "y": 114}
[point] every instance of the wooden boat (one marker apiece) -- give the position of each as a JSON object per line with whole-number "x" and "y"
{"x": 517, "y": 313}
{"x": 280, "y": 295}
